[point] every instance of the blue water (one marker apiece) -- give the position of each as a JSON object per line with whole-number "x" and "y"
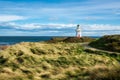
{"x": 8, "y": 40}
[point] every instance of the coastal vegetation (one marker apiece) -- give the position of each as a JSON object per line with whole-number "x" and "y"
{"x": 107, "y": 42}
{"x": 57, "y": 61}
{"x": 71, "y": 39}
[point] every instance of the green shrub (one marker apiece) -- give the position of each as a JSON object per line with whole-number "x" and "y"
{"x": 3, "y": 60}
{"x": 46, "y": 76}
{"x": 20, "y": 60}
{"x": 37, "y": 51}
{"x": 26, "y": 71}
{"x": 19, "y": 53}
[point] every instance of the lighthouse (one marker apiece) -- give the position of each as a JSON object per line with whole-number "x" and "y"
{"x": 78, "y": 31}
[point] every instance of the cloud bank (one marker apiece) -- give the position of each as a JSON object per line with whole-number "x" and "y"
{"x": 59, "y": 29}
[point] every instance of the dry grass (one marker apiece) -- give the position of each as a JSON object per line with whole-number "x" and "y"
{"x": 55, "y": 61}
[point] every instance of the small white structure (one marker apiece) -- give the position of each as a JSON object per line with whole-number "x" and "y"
{"x": 78, "y": 31}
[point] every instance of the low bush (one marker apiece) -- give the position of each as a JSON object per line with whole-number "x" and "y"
{"x": 108, "y": 42}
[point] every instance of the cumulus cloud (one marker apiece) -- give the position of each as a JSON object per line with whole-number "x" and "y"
{"x": 6, "y": 18}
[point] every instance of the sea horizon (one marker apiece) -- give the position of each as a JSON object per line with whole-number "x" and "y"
{"x": 9, "y": 40}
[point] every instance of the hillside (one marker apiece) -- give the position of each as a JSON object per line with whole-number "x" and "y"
{"x": 56, "y": 61}
{"x": 108, "y": 42}
{"x": 70, "y": 39}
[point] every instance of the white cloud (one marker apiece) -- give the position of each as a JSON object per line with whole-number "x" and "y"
{"x": 29, "y": 26}
{"x": 32, "y": 26}
{"x": 7, "y": 18}
{"x": 100, "y": 27}
{"x": 62, "y": 29}
{"x": 60, "y": 26}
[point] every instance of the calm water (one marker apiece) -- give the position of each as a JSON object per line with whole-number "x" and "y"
{"x": 7, "y": 40}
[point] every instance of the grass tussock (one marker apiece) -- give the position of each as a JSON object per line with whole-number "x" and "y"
{"x": 56, "y": 61}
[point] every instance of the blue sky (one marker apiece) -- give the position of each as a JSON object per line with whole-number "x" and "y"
{"x": 59, "y": 17}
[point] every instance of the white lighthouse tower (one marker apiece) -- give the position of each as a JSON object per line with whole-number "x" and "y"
{"x": 78, "y": 31}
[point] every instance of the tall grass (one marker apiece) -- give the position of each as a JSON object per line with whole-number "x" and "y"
{"x": 56, "y": 61}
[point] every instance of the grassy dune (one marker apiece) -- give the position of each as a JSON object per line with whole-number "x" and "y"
{"x": 107, "y": 42}
{"x": 56, "y": 61}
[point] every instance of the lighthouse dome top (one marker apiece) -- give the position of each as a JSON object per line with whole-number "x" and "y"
{"x": 78, "y": 26}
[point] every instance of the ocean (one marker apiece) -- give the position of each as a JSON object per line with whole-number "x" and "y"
{"x": 9, "y": 40}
